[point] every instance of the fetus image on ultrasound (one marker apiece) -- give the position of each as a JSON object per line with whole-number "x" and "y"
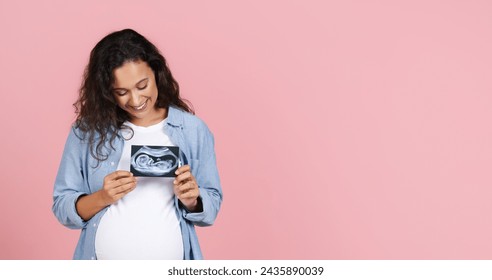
{"x": 154, "y": 161}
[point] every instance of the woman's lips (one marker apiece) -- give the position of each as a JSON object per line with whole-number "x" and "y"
{"x": 140, "y": 107}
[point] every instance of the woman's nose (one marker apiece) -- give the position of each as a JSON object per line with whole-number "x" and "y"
{"x": 135, "y": 98}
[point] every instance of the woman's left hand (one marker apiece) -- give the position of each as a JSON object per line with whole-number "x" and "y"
{"x": 186, "y": 188}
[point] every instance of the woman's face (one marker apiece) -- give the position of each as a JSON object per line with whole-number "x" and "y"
{"x": 135, "y": 92}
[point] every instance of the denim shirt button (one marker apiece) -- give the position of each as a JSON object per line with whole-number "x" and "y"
{"x": 112, "y": 163}
{"x": 94, "y": 225}
{"x": 93, "y": 258}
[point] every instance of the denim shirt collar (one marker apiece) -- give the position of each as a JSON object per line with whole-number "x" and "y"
{"x": 174, "y": 118}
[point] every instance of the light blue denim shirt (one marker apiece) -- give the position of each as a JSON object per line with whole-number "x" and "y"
{"x": 79, "y": 174}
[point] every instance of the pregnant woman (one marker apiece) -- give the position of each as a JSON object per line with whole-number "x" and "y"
{"x": 129, "y": 97}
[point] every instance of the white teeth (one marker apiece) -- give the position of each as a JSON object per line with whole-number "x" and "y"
{"x": 141, "y": 106}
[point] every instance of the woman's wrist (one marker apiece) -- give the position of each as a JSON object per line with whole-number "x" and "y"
{"x": 194, "y": 206}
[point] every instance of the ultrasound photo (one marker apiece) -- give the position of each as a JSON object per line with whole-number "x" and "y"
{"x": 154, "y": 161}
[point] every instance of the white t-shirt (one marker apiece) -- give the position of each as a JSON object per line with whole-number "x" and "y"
{"x": 143, "y": 224}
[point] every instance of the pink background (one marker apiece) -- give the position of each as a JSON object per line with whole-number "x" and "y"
{"x": 344, "y": 129}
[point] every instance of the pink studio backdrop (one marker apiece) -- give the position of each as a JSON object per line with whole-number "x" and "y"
{"x": 344, "y": 129}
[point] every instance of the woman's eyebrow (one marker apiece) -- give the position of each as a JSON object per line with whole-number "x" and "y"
{"x": 142, "y": 80}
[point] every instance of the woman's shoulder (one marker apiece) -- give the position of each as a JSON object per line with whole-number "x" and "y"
{"x": 76, "y": 140}
{"x": 77, "y": 132}
{"x": 81, "y": 132}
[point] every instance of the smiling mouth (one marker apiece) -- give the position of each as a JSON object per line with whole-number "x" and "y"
{"x": 140, "y": 107}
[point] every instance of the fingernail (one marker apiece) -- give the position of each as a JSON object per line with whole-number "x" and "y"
{"x": 174, "y": 182}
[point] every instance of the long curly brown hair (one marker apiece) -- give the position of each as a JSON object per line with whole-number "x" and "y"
{"x": 98, "y": 116}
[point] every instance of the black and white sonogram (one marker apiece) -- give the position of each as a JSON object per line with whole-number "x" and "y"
{"x": 154, "y": 161}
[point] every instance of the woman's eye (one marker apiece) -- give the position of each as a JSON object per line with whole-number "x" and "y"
{"x": 142, "y": 87}
{"x": 120, "y": 92}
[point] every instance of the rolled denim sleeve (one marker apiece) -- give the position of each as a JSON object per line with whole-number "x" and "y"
{"x": 69, "y": 184}
{"x": 207, "y": 178}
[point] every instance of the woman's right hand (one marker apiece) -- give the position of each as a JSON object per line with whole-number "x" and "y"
{"x": 116, "y": 185}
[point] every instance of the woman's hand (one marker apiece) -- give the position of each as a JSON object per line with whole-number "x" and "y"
{"x": 186, "y": 188}
{"x": 116, "y": 185}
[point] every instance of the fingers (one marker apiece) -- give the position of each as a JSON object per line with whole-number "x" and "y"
{"x": 123, "y": 185}
{"x": 124, "y": 191}
{"x": 119, "y": 178}
{"x": 125, "y": 180}
{"x": 187, "y": 191}
{"x": 183, "y": 178}
{"x": 185, "y": 186}
{"x": 117, "y": 175}
{"x": 182, "y": 169}
{"x": 116, "y": 185}
{"x": 188, "y": 194}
